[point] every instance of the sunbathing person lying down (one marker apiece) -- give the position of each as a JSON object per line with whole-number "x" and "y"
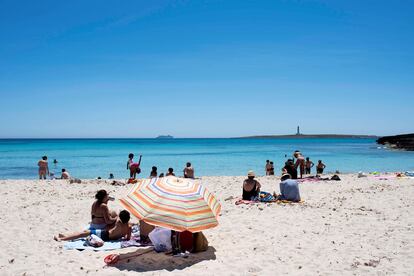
{"x": 121, "y": 229}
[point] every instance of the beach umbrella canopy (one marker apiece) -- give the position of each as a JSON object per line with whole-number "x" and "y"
{"x": 175, "y": 203}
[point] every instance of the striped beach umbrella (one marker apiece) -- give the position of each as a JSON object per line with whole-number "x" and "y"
{"x": 175, "y": 203}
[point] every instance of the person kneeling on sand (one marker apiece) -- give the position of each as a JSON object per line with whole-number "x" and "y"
{"x": 289, "y": 189}
{"x": 121, "y": 229}
{"x": 251, "y": 187}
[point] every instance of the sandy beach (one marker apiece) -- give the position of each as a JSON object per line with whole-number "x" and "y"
{"x": 350, "y": 227}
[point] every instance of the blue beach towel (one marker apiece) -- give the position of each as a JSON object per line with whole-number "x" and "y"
{"x": 108, "y": 245}
{"x": 81, "y": 245}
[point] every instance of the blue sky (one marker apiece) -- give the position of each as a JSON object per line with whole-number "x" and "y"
{"x": 205, "y": 68}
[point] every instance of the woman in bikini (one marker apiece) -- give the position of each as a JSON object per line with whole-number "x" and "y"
{"x": 133, "y": 167}
{"x": 101, "y": 216}
{"x": 43, "y": 168}
{"x": 300, "y": 162}
{"x": 251, "y": 187}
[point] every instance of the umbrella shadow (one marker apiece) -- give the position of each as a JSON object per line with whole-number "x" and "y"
{"x": 154, "y": 261}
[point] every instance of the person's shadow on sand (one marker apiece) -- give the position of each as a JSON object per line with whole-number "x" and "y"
{"x": 154, "y": 261}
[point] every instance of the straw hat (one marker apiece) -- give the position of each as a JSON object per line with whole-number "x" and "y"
{"x": 251, "y": 173}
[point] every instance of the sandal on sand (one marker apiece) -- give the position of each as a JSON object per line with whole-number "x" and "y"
{"x": 112, "y": 259}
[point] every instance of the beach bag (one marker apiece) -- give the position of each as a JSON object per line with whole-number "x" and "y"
{"x": 144, "y": 230}
{"x": 161, "y": 239}
{"x": 94, "y": 241}
{"x": 335, "y": 177}
{"x": 185, "y": 240}
{"x": 200, "y": 242}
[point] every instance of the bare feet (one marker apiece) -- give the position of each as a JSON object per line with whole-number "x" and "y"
{"x": 58, "y": 237}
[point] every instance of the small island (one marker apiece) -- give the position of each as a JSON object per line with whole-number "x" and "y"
{"x": 165, "y": 137}
{"x": 300, "y": 135}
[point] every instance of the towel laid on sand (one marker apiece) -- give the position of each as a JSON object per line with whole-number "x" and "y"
{"x": 108, "y": 245}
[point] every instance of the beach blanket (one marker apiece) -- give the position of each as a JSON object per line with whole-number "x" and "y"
{"x": 264, "y": 197}
{"x": 80, "y": 244}
{"x": 247, "y": 202}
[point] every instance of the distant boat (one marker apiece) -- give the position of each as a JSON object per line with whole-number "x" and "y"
{"x": 165, "y": 137}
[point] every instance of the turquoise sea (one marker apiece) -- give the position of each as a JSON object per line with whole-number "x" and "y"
{"x": 90, "y": 158}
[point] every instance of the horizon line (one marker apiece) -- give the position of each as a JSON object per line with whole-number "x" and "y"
{"x": 250, "y": 136}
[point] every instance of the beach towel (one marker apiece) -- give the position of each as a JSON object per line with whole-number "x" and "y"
{"x": 81, "y": 244}
{"x": 265, "y": 197}
{"x": 278, "y": 201}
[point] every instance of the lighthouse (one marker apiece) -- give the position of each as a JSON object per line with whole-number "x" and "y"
{"x": 298, "y": 131}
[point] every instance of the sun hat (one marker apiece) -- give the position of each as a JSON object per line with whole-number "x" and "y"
{"x": 251, "y": 173}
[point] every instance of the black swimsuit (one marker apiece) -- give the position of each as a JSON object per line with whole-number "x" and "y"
{"x": 248, "y": 195}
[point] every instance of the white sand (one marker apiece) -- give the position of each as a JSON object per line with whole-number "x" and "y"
{"x": 352, "y": 227}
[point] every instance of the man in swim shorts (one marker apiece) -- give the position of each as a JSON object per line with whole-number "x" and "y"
{"x": 121, "y": 229}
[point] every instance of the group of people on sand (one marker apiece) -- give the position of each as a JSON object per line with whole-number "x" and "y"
{"x": 291, "y": 167}
{"x": 134, "y": 169}
{"x": 105, "y": 224}
{"x": 44, "y": 170}
{"x": 289, "y": 188}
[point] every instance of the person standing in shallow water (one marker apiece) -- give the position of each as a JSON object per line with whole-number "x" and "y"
{"x": 134, "y": 168}
{"x": 267, "y": 167}
{"x": 308, "y": 165}
{"x": 320, "y": 167}
{"x": 154, "y": 172}
{"x": 43, "y": 168}
{"x": 300, "y": 162}
{"x": 188, "y": 171}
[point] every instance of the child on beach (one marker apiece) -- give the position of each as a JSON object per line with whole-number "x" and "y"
{"x": 43, "y": 168}
{"x": 133, "y": 167}
{"x": 320, "y": 167}
{"x": 154, "y": 172}
{"x": 121, "y": 229}
{"x": 308, "y": 165}
{"x": 65, "y": 174}
{"x": 170, "y": 172}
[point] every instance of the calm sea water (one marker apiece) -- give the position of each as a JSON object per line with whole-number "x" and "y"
{"x": 90, "y": 158}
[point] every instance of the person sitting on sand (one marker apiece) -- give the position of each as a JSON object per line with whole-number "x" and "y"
{"x": 154, "y": 172}
{"x": 161, "y": 175}
{"x": 170, "y": 172}
{"x": 267, "y": 167}
{"x": 133, "y": 167}
{"x": 111, "y": 176}
{"x": 320, "y": 167}
{"x": 300, "y": 162}
{"x": 121, "y": 229}
{"x": 308, "y": 165}
{"x": 65, "y": 174}
{"x": 188, "y": 171}
{"x": 251, "y": 187}
{"x": 289, "y": 189}
{"x": 43, "y": 168}
{"x": 101, "y": 216}
{"x": 290, "y": 169}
